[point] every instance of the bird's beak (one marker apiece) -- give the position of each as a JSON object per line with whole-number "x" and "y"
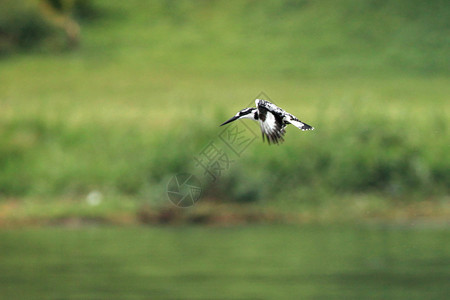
{"x": 230, "y": 120}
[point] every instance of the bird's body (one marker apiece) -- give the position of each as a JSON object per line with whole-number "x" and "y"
{"x": 272, "y": 120}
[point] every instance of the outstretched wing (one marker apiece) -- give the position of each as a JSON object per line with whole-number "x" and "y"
{"x": 297, "y": 123}
{"x": 271, "y": 123}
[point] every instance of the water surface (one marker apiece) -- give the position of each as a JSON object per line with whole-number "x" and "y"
{"x": 253, "y": 262}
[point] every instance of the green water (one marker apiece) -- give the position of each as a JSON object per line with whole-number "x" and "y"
{"x": 256, "y": 262}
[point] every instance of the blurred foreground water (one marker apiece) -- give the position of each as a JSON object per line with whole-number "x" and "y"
{"x": 254, "y": 262}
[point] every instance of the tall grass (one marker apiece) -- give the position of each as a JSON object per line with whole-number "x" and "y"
{"x": 350, "y": 151}
{"x": 152, "y": 81}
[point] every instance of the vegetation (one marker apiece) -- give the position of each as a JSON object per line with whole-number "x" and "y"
{"x": 41, "y": 24}
{"x": 152, "y": 81}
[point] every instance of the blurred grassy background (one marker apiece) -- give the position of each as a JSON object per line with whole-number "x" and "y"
{"x": 102, "y": 102}
{"x": 126, "y": 102}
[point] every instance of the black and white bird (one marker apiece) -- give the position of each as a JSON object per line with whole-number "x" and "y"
{"x": 271, "y": 118}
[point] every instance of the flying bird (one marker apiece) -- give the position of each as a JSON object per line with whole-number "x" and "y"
{"x": 271, "y": 118}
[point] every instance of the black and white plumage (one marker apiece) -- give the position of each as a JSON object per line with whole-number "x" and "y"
{"x": 272, "y": 119}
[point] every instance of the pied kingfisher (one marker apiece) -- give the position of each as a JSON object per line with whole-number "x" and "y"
{"x": 272, "y": 119}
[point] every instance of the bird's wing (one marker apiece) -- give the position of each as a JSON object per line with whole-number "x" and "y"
{"x": 269, "y": 106}
{"x": 297, "y": 123}
{"x": 271, "y": 125}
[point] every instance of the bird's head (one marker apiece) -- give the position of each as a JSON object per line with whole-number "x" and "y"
{"x": 246, "y": 113}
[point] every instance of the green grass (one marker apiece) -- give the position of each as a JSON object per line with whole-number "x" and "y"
{"x": 119, "y": 115}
